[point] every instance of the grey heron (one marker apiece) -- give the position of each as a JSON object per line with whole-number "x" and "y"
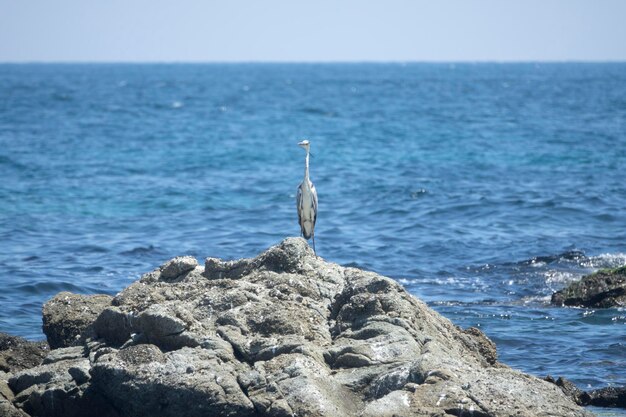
{"x": 306, "y": 200}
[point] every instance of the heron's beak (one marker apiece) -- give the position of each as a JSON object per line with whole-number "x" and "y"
{"x": 301, "y": 143}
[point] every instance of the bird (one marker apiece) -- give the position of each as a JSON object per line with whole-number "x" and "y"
{"x": 306, "y": 200}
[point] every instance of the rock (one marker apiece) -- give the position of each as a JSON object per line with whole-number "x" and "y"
{"x": 6, "y": 394}
{"x": 65, "y": 354}
{"x": 572, "y": 391}
{"x": 603, "y": 289}
{"x": 17, "y": 353}
{"x": 171, "y": 271}
{"x": 177, "y": 267}
{"x": 189, "y": 382}
{"x": 113, "y": 326}
{"x": 604, "y": 397}
{"x": 283, "y": 334}
{"x": 66, "y": 316}
{"x": 60, "y": 387}
{"x": 476, "y": 341}
{"x": 608, "y": 397}
{"x": 9, "y": 410}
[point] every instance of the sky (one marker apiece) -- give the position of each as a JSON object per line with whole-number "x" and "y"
{"x": 318, "y": 30}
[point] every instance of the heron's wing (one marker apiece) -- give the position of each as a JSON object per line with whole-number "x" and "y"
{"x": 299, "y": 204}
{"x": 314, "y": 192}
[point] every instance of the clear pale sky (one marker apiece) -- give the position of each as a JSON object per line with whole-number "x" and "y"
{"x": 315, "y": 30}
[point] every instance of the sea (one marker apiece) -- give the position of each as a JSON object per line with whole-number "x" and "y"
{"x": 482, "y": 188}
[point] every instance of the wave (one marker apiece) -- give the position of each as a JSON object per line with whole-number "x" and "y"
{"x": 560, "y": 277}
{"x": 5, "y": 160}
{"x": 91, "y": 249}
{"x": 318, "y": 112}
{"x": 47, "y": 287}
{"x": 606, "y": 260}
{"x": 572, "y": 255}
{"x": 141, "y": 250}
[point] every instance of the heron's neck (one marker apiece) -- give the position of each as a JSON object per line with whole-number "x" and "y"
{"x": 306, "y": 167}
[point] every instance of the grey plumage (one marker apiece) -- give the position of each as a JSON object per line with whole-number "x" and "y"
{"x": 306, "y": 200}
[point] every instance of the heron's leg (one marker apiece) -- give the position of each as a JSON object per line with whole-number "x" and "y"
{"x": 314, "y": 251}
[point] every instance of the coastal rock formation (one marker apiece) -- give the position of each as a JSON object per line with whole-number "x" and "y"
{"x": 608, "y": 397}
{"x": 16, "y": 354}
{"x": 283, "y": 334}
{"x": 67, "y": 316}
{"x": 603, "y": 397}
{"x": 603, "y": 289}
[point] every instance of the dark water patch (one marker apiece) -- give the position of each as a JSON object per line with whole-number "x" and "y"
{"x": 62, "y": 97}
{"x": 318, "y": 111}
{"x": 91, "y": 249}
{"x": 46, "y": 287}
{"x": 142, "y": 250}
{"x": 84, "y": 269}
{"x": 11, "y": 163}
{"x": 573, "y": 255}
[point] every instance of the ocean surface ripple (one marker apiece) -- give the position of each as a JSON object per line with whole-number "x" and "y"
{"x": 482, "y": 188}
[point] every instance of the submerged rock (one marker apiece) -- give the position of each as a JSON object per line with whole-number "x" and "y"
{"x": 283, "y": 334}
{"x": 603, "y": 289}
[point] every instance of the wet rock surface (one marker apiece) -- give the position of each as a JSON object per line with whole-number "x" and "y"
{"x": 283, "y": 334}
{"x": 604, "y": 397}
{"x": 603, "y": 289}
{"x": 608, "y": 397}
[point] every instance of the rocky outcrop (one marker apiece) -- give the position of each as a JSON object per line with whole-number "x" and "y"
{"x": 603, "y": 289}
{"x": 608, "y": 397}
{"x": 16, "y": 354}
{"x": 67, "y": 316}
{"x": 283, "y": 334}
{"x": 603, "y": 397}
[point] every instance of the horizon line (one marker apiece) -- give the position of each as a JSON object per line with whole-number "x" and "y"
{"x": 299, "y": 62}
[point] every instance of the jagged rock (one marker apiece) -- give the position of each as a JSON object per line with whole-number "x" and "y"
{"x": 59, "y": 387}
{"x": 476, "y": 341}
{"x": 604, "y": 397}
{"x": 113, "y": 326}
{"x": 173, "y": 270}
{"x": 577, "y": 395}
{"x": 65, "y": 354}
{"x": 603, "y": 289}
{"x": 283, "y": 334}
{"x": 17, "y": 353}
{"x": 189, "y": 382}
{"x": 177, "y": 267}
{"x": 66, "y": 316}
{"x": 608, "y": 397}
{"x": 9, "y": 410}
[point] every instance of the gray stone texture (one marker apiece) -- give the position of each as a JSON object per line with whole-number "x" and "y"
{"x": 282, "y": 334}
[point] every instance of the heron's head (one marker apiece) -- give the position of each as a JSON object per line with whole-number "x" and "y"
{"x": 304, "y": 145}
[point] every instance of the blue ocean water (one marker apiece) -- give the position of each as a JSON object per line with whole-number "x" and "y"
{"x": 482, "y": 188}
